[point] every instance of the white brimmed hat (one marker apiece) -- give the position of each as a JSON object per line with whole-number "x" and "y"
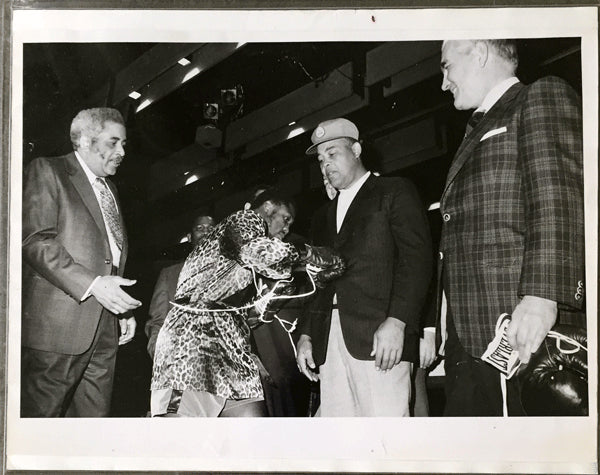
{"x": 331, "y": 130}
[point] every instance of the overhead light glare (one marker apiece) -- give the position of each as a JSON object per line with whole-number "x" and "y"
{"x": 291, "y": 123}
{"x": 144, "y": 104}
{"x": 186, "y": 173}
{"x": 297, "y": 131}
{"x": 240, "y": 44}
{"x": 184, "y": 61}
{"x": 190, "y": 74}
{"x": 191, "y": 179}
{"x": 184, "y": 239}
{"x": 135, "y": 95}
{"x": 433, "y": 206}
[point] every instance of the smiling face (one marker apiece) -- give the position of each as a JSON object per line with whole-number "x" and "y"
{"x": 104, "y": 153}
{"x": 462, "y": 72}
{"x": 340, "y": 163}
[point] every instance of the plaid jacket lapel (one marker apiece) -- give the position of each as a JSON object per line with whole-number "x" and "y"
{"x": 472, "y": 139}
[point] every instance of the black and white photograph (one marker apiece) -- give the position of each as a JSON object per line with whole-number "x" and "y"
{"x": 367, "y": 235}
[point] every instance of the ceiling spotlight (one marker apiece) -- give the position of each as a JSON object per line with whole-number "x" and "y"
{"x": 144, "y": 104}
{"x": 190, "y": 74}
{"x": 184, "y": 61}
{"x": 295, "y": 132}
{"x": 191, "y": 179}
{"x": 228, "y": 97}
{"x": 135, "y": 95}
{"x": 210, "y": 111}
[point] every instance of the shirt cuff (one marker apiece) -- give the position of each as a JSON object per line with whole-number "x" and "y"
{"x": 429, "y": 329}
{"x": 88, "y": 291}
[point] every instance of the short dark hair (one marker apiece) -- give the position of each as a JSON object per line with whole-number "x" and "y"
{"x": 90, "y": 123}
{"x": 274, "y": 196}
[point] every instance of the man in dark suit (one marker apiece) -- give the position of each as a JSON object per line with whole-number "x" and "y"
{"x": 74, "y": 252}
{"x": 362, "y": 330}
{"x": 166, "y": 284}
{"x": 512, "y": 209}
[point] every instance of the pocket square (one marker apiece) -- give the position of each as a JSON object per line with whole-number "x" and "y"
{"x": 491, "y": 133}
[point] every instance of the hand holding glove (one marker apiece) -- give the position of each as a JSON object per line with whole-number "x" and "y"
{"x": 323, "y": 263}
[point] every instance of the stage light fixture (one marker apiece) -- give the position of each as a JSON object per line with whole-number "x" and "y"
{"x": 209, "y": 136}
{"x": 229, "y": 97}
{"x": 135, "y": 95}
{"x": 211, "y": 111}
{"x": 184, "y": 61}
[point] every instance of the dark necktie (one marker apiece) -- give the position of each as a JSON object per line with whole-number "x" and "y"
{"x": 109, "y": 211}
{"x": 473, "y": 121}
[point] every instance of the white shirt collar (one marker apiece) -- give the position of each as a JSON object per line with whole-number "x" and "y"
{"x": 496, "y": 93}
{"x": 353, "y": 189}
{"x": 89, "y": 173}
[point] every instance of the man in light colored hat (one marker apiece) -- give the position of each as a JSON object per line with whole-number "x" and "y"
{"x": 360, "y": 333}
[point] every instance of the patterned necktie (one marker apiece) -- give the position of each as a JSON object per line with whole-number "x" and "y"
{"x": 109, "y": 211}
{"x": 473, "y": 121}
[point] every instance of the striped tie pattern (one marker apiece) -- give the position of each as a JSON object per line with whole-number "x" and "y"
{"x": 473, "y": 121}
{"x": 109, "y": 211}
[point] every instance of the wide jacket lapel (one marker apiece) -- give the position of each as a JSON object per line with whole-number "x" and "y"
{"x": 356, "y": 204}
{"x": 465, "y": 150}
{"x": 84, "y": 188}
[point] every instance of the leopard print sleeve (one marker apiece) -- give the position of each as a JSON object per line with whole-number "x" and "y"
{"x": 269, "y": 257}
{"x": 245, "y": 240}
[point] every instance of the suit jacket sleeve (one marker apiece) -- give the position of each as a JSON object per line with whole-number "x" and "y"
{"x": 412, "y": 273}
{"x": 41, "y": 245}
{"x": 159, "y": 307}
{"x": 551, "y": 157}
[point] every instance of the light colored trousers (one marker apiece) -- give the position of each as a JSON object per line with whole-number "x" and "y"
{"x": 353, "y": 388}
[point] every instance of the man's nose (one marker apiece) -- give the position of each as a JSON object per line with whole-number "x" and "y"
{"x": 120, "y": 150}
{"x": 445, "y": 83}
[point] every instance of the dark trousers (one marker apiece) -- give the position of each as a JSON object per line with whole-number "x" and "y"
{"x": 472, "y": 386}
{"x": 59, "y": 385}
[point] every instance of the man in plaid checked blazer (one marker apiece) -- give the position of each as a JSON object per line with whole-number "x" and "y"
{"x": 512, "y": 209}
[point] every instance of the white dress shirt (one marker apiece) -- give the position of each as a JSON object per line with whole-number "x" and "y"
{"x": 496, "y": 93}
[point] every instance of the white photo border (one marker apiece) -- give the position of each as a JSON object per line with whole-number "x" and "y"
{"x": 513, "y": 445}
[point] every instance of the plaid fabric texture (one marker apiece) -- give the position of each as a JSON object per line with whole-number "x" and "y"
{"x": 513, "y": 210}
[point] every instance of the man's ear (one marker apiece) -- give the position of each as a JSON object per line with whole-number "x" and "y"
{"x": 84, "y": 142}
{"x": 268, "y": 207}
{"x": 356, "y": 149}
{"x": 482, "y": 51}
